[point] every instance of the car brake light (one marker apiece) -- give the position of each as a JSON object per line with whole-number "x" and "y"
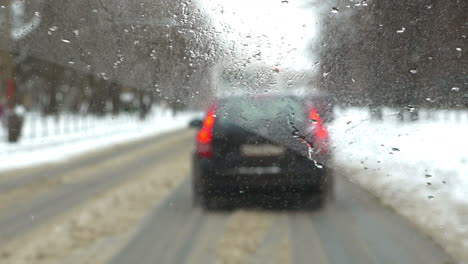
{"x": 314, "y": 116}
{"x": 205, "y": 135}
{"x": 320, "y": 132}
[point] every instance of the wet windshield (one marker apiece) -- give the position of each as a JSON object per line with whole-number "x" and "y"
{"x": 248, "y": 131}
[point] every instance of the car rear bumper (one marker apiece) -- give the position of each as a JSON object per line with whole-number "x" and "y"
{"x": 303, "y": 176}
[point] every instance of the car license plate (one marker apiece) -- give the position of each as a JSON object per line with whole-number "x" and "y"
{"x": 259, "y": 170}
{"x": 261, "y": 150}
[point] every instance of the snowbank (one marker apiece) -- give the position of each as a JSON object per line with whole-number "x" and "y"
{"x": 50, "y": 139}
{"x": 419, "y": 168}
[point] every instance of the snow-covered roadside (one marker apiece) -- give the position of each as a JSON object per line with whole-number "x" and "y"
{"x": 48, "y": 140}
{"x": 419, "y": 168}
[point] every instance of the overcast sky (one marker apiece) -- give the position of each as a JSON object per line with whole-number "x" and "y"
{"x": 280, "y": 30}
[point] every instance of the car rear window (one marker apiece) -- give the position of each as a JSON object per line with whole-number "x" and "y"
{"x": 261, "y": 109}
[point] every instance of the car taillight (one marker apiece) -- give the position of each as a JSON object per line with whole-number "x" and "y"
{"x": 319, "y": 130}
{"x": 204, "y": 148}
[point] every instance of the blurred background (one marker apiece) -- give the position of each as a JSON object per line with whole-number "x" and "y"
{"x": 72, "y": 60}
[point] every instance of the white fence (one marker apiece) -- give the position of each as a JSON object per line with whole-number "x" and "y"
{"x": 39, "y": 131}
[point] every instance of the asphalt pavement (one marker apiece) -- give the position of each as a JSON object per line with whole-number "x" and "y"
{"x": 355, "y": 228}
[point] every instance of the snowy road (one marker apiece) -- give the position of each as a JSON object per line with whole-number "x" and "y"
{"x": 357, "y": 229}
{"x": 131, "y": 204}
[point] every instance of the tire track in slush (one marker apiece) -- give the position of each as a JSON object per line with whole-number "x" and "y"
{"x": 94, "y": 231}
{"x": 23, "y": 219}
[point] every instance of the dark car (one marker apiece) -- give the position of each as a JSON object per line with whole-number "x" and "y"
{"x": 260, "y": 144}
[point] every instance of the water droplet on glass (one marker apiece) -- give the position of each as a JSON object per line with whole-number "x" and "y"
{"x": 410, "y": 108}
{"x": 399, "y": 31}
{"x": 318, "y": 164}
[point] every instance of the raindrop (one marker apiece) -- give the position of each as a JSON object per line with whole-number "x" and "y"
{"x": 428, "y": 175}
{"x": 76, "y": 32}
{"x": 430, "y": 197}
{"x": 37, "y": 14}
{"x": 318, "y": 164}
{"x": 53, "y": 28}
{"x": 410, "y": 108}
{"x": 335, "y": 10}
{"x": 428, "y": 183}
{"x": 399, "y": 31}
{"x": 413, "y": 71}
{"x": 284, "y": 1}
{"x": 459, "y": 49}
{"x": 395, "y": 149}
{"x": 455, "y": 89}
{"x": 95, "y": 10}
{"x": 71, "y": 62}
{"x": 66, "y": 40}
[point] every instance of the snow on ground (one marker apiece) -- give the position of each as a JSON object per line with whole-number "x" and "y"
{"x": 418, "y": 168}
{"x": 50, "y": 139}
